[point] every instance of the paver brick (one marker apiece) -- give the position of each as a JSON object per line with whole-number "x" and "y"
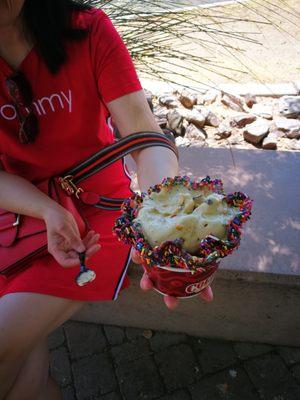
{"x": 248, "y": 350}
{"x": 296, "y": 372}
{"x": 214, "y": 355}
{"x": 291, "y": 355}
{"x": 139, "y": 379}
{"x": 60, "y": 366}
{"x": 224, "y": 385}
{"x": 161, "y": 340}
{"x": 271, "y": 378}
{"x": 110, "y": 396}
{"x": 133, "y": 333}
{"x": 56, "y": 338}
{"x": 130, "y": 351}
{"x": 84, "y": 339}
{"x": 68, "y": 393}
{"x": 178, "y": 366}
{"x": 93, "y": 375}
{"x": 178, "y": 395}
{"x": 114, "y": 334}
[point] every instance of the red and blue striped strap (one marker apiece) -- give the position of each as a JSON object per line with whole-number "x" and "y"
{"x": 112, "y": 153}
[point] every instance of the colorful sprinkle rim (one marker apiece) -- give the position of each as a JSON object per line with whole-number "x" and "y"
{"x": 171, "y": 253}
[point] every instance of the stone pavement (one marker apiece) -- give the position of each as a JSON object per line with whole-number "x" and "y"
{"x": 93, "y": 362}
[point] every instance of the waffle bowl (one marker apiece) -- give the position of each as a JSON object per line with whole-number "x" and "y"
{"x": 180, "y": 266}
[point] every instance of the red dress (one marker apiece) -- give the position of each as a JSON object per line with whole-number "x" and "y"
{"x": 73, "y": 124}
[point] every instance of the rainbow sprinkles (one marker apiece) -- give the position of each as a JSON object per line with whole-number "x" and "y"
{"x": 171, "y": 253}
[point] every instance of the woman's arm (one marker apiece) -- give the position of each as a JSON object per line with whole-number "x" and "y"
{"x": 22, "y": 197}
{"x": 131, "y": 113}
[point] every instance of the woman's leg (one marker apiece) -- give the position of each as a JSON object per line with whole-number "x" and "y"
{"x": 26, "y": 319}
{"x": 34, "y": 374}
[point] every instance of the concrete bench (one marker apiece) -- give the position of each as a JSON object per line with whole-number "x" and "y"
{"x": 256, "y": 290}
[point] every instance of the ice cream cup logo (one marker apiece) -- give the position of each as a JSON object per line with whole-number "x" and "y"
{"x": 197, "y": 287}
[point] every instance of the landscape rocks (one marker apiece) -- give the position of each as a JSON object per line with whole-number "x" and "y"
{"x": 241, "y": 120}
{"x": 289, "y": 106}
{"x": 193, "y": 132}
{"x": 270, "y": 141}
{"x": 210, "y": 96}
{"x": 234, "y": 102}
{"x": 217, "y": 118}
{"x": 169, "y": 101}
{"x": 195, "y": 117}
{"x": 187, "y": 99}
{"x": 182, "y": 141}
{"x": 255, "y": 132}
{"x": 250, "y": 100}
{"x": 263, "y": 110}
{"x": 291, "y": 127}
{"x": 212, "y": 120}
{"x": 224, "y": 131}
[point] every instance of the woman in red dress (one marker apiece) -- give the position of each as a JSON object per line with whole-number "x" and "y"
{"x": 78, "y": 72}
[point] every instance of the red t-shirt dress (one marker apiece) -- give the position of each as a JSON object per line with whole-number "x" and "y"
{"x": 73, "y": 125}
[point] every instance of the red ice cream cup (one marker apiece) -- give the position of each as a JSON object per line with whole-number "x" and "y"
{"x": 180, "y": 282}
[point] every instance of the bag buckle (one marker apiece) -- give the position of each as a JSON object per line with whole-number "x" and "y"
{"x": 17, "y": 221}
{"x": 69, "y": 186}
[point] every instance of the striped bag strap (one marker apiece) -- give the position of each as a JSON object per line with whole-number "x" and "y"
{"x": 106, "y": 156}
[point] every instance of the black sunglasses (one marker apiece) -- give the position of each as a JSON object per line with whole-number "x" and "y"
{"x": 20, "y": 92}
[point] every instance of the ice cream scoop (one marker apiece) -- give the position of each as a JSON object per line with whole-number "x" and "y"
{"x": 182, "y": 212}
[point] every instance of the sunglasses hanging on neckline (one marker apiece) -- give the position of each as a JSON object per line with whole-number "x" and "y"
{"x": 21, "y": 94}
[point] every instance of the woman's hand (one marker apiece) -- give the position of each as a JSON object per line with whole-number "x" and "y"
{"x": 170, "y": 301}
{"x": 64, "y": 241}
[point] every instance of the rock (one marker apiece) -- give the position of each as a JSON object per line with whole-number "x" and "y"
{"x": 160, "y": 111}
{"x": 182, "y": 141}
{"x": 162, "y": 122}
{"x": 149, "y": 97}
{"x": 291, "y": 127}
{"x": 250, "y": 99}
{"x": 203, "y": 110}
{"x": 294, "y": 144}
{"x": 263, "y": 110}
{"x": 212, "y": 120}
{"x": 236, "y": 137}
{"x": 187, "y": 99}
{"x": 175, "y": 122}
{"x": 241, "y": 120}
{"x": 169, "y": 101}
{"x": 270, "y": 141}
{"x": 255, "y": 132}
{"x": 289, "y": 106}
{"x": 195, "y": 117}
{"x": 232, "y": 101}
{"x": 210, "y": 96}
{"x": 224, "y": 131}
{"x": 200, "y": 99}
{"x": 160, "y": 114}
{"x": 193, "y": 132}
